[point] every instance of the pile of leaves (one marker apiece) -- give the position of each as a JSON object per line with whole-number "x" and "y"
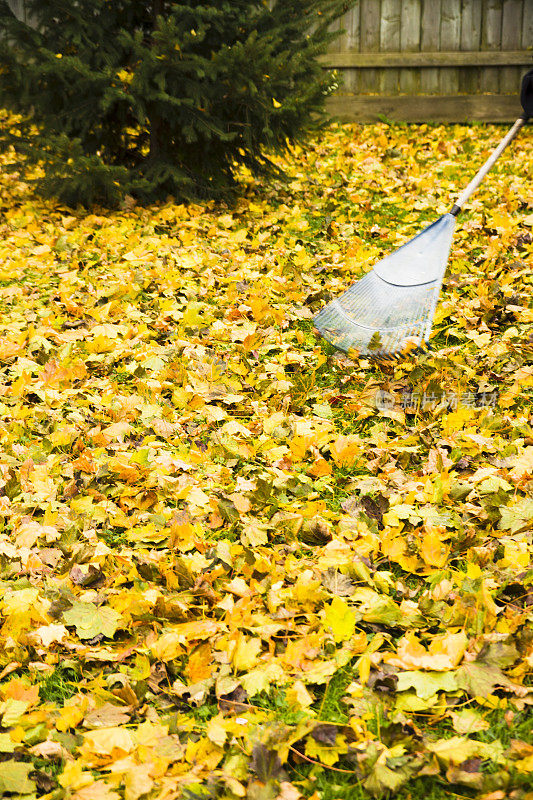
{"x": 227, "y": 567}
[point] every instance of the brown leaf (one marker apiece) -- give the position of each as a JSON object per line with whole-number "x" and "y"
{"x": 337, "y": 583}
{"x": 325, "y": 734}
{"x": 107, "y": 716}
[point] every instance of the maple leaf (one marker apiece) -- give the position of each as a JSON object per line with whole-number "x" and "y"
{"x": 90, "y": 621}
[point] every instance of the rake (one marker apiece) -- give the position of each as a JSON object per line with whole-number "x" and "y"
{"x": 390, "y": 310}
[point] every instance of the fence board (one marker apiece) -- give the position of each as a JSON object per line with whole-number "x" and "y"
{"x": 527, "y": 25}
{"x": 430, "y": 41}
{"x": 351, "y": 25}
{"x": 410, "y": 41}
{"x": 370, "y": 26}
{"x": 450, "y": 33}
{"x": 491, "y": 40}
{"x": 390, "y": 42}
{"x": 470, "y": 40}
{"x": 449, "y": 108}
{"x": 351, "y": 42}
{"x": 455, "y": 58}
{"x": 511, "y": 38}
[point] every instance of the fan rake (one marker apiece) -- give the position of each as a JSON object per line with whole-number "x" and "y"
{"x": 390, "y": 310}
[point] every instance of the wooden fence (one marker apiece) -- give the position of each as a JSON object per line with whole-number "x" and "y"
{"x": 427, "y": 60}
{"x": 441, "y": 60}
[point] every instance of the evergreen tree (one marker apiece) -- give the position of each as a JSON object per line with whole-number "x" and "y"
{"x": 160, "y": 98}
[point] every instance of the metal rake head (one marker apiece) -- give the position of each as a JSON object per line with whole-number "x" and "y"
{"x": 392, "y": 307}
{"x": 377, "y": 318}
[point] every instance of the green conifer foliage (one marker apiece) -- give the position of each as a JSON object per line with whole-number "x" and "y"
{"x": 160, "y": 98}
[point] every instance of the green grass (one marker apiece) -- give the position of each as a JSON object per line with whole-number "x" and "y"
{"x": 61, "y": 684}
{"x": 330, "y": 696}
{"x": 330, "y": 785}
{"x": 519, "y": 727}
{"x": 336, "y": 786}
{"x": 432, "y": 788}
{"x": 113, "y": 538}
{"x": 275, "y": 701}
{"x": 205, "y": 712}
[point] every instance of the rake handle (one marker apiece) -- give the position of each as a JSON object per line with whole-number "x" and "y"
{"x": 489, "y": 163}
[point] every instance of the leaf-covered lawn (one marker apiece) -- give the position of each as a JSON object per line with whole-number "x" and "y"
{"x": 224, "y": 571}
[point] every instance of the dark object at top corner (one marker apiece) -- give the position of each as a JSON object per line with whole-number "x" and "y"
{"x": 526, "y": 94}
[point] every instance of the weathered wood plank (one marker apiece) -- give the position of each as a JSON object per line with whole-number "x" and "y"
{"x": 511, "y": 39}
{"x": 410, "y": 42}
{"x": 390, "y": 42}
{"x": 349, "y": 24}
{"x": 470, "y": 41}
{"x": 370, "y": 26}
{"x": 471, "y": 11}
{"x": 527, "y": 28}
{"x": 434, "y": 59}
{"x": 527, "y": 24}
{"x": 430, "y": 41}
{"x": 351, "y": 43}
{"x": 450, "y": 39}
{"x": 491, "y": 40}
{"x": 425, "y": 108}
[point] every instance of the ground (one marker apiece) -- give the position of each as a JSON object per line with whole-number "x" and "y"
{"x": 225, "y": 570}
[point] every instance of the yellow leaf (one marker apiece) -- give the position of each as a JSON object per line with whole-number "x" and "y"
{"x": 516, "y": 555}
{"x": 203, "y": 752}
{"x": 340, "y": 619}
{"x": 241, "y": 502}
{"x": 125, "y": 76}
{"x": 320, "y": 467}
{"x": 167, "y": 647}
{"x": 73, "y": 777}
{"x": 108, "y": 744}
{"x": 523, "y": 466}
{"x": 41, "y": 484}
{"x": 468, "y": 721}
{"x": 456, "y": 420}
{"x": 216, "y": 730}
{"x": 345, "y": 450}
{"x": 432, "y": 550}
{"x": 200, "y": 663}
{"x": 363, "y": 667}
{"x": 42, "y": 249}
{"x": 298, "y": 696}
{"x": 99, "y": 790}
{"x": 253, "y": 534}
{"x": 182, "y": 533}
{"x": 31, "y": 531}
{"x": 138, "y": 781}
{"x": 70, "y": 716}
{"x": 444, "y": 652}
{"x": 326, "y": 754}
{"x": 50, "y": 633}
{"x": 100, "y": 344}
{"x": 246, "y": 653}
